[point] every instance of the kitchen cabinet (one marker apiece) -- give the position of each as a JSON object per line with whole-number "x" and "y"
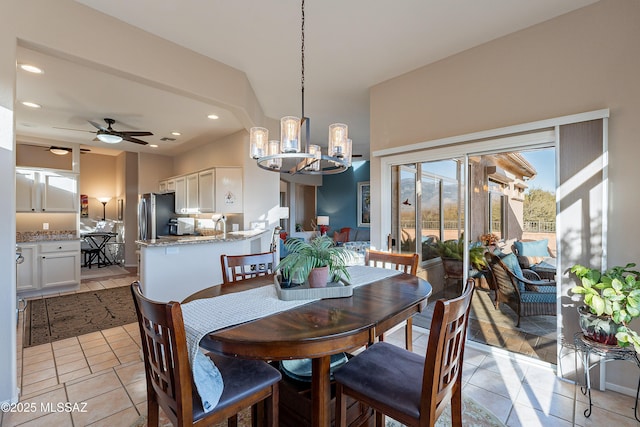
{"x": 207, "y": 191}
{"x": 48, "y": 265}
{"x": 27, "y": 276}
{"x": 181, "y": 194}
{"x": 46, "y": 191}
{"x": 162, "y": 187}
{"x": 192, "y": 205}
{"x": 228, "y": 192}
{"x": 171, "y": 185}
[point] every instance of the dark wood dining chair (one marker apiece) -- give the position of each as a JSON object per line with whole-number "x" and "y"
{"x": 169, "y": 378}
{"x": 241, "y": 267}
{"x": 412, "y": 389}
{"x": 407, "y": 263}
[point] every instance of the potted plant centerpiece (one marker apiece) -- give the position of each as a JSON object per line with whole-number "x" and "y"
{"x": 611, "y": 300}
{"x": 317, "y": 261}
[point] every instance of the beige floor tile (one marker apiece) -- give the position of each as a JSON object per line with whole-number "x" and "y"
{"x": 495, "y": 383}
{"x": 35, "y": 389}
{"x": 506, "y": 367}
{"x": 548, "y": 403}
{"x": 130, "y": 373}
{"x": 499, "y": 405}
{"x": 124, "y": 350}
{"x": 73, "y": 341}
{"x": 122, "y": 418}
{"x": 90, "y": 337}
{"x": 103, "y": 406}
{"x": 525, "y": 416}
{"x": 63, "y": 351}
{"x": 94, "y": 386}
{"x": 69, "y": 358}
{"x": 31, "y": 366}
{"x": 37, "y": 350}
{"x": 69, "y": 376}
{"x": 137, "y": 391}
{"x": 72, "y": 366}
{"x": 94, "y": 286}
{"x": 107, "y": 364}
{"x": 57, "y": 419}
{"x": 99, "y": 349}
{"x": 601, "y": 417}
{"x": 35, "y": 377}
{"x": 35, "y": 405}
{"x": 127, "y": 358}
{"x": 113, "y": 331}
{"x": 101, "y": 357}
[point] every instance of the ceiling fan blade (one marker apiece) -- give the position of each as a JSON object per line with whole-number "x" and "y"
{"x": 135, "y": 133}
{"x": 78, "y": 130}
{"x": 97, "y": 126}
{"x": 131, "y": 139}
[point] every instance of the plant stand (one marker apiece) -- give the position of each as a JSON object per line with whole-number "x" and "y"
{"x": 608, "y": 353}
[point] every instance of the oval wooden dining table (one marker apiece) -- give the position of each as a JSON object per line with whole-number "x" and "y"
{"x": 319, "y": 329}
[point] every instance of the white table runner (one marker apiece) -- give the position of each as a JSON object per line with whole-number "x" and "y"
{"x": 210, "y": 314}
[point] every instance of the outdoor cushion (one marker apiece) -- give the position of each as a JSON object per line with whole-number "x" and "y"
{"x": 538, "y": 248}
{"x": 549, "y": 297}
{"x": 511, "y": 261}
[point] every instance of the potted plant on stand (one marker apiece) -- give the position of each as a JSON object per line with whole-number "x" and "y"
{"x": 317, "y": 260}
{"x": 611, "y": 300}
{"x": 452, "y": 253}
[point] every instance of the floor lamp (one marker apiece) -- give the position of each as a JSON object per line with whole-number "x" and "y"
{"x": 104, "y": 201}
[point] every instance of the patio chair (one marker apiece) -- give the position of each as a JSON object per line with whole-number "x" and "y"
{"x": 522, "y": 290}
{"x": 408, "y": 387}
{"x": 247, "y": 383}
{"x": 407, "y": 263}
{"x": 241, "y": 267}
{"x": 531, "y": 252}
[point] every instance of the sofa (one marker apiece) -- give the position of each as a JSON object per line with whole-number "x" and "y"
{"x": 347, "y": 234}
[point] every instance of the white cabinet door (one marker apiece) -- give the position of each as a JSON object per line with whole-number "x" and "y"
{"x": 59, "y": 269}
{"x": 171, "y": 185}
{"x": 229, "y": 190}
{"x": 181, "y": 194}
{"x": 60, "y": 192}
{"x": 27, "y": 279}
{"x": 207, "y": 191}
{"x": 192, "y": 193}
{"x": 162, "y": 186}
{"x": 27, "y": 194}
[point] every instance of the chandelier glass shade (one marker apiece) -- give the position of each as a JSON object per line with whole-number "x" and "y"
{"x": 289, "y": 155}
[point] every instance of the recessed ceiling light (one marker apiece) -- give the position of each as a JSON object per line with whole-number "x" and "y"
{"x": 31, "y": 68}
{"x": 31, "y": 104}
{"x": 176, "y": 133}
{"x": 213, "y": 117}
{"x": 153, "y": 146}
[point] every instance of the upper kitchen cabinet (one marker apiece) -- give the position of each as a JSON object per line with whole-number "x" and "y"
{"x": 192, "y": 193}
{"x": 180, "y": 187}
{"x": 207, "y": 191}
{"x": 46, "y": 191}
{"x": 228, "y": 192}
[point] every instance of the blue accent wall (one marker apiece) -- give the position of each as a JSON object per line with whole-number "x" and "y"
{"x": 338, "y": 195}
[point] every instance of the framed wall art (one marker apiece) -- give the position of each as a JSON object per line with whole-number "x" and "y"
{"x": 364, "y": 204}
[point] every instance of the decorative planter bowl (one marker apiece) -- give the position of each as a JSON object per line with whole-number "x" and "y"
{"x": 600, "y": 329}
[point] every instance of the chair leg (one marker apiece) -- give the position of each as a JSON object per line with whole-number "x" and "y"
{"x": 408, "y": 336}
{"x": 341, "y": 408}
{"x": 232, "y": 421}
{"x": 379, "y": 419}
{"x": 272, "y": 407}
{"x": 153, "y": 412}
{"x": 456, "y": 407}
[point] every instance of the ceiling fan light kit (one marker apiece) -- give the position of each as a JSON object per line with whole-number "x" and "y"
{"x": 59, "y": 151}
{"x": 112, "y": 136}
{"x": 108, "y": 138}
{"x": 287, "y": 155}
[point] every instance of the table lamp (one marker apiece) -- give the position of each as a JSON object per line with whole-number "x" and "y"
{"x": 323, "y": 222}
{"x": 104, "y": 201}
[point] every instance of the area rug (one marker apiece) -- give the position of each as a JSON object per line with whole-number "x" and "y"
{"x": 56, "y": 318}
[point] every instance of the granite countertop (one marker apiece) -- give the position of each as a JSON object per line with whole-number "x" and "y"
{"x": 46, "y": 235}
{"x": 232, "y": 236}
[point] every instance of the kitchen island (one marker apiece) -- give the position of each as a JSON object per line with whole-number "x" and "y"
{"x": 174, "y": 267}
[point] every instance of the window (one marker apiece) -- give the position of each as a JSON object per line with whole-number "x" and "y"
{"x": 496, "y": 216}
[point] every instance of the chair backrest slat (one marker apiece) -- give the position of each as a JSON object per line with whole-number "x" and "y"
{"x": 241, "y": 267}
{"x": 504, "y": 279}
{"x": 407, "y": 263}
{"x": 445, "y": 352}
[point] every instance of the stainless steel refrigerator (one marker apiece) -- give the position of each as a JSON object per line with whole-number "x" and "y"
{"x": 154, "y": 212}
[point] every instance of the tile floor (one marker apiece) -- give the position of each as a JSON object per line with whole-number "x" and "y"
{"x": 103, "y": 374}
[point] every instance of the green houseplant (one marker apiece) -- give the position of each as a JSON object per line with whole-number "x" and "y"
{"x": 612, "y": 295}
{"x": 321, "y": 252}
{"x": 454, "y": 250}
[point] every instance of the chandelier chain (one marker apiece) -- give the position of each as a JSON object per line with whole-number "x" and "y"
{"x": 302, "y": 58}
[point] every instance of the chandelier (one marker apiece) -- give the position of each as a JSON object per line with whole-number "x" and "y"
{"x": 287, "y": 154}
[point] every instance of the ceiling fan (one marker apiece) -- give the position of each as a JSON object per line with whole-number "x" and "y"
{"x": 111, "y": 136}
{"x": 57, "y": 150}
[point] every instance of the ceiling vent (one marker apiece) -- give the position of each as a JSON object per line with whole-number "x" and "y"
{"x": 167, "y": 139}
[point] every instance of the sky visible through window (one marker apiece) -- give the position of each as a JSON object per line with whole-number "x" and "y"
{"x": 544, "y": 162}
